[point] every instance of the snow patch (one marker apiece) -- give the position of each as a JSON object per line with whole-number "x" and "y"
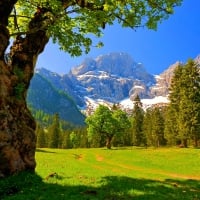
{"x": 138, "y": 87}
{"x": 128, "y": 104}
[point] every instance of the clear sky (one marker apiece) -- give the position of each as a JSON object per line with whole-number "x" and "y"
{"x": 177, "y": 39}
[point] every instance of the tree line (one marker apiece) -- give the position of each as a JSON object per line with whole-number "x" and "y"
{"x": 177, "y": 123}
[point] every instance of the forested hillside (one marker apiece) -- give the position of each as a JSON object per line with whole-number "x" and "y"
{"x": 172, "y": 124}
{"x": 42, "y": 95}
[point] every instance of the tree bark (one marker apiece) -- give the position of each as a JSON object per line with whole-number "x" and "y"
{"x": 108, "y": 142}
{"x": 17, "y": 126}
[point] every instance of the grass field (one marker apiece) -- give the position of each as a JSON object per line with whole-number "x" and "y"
{"x": 101, "y": 174}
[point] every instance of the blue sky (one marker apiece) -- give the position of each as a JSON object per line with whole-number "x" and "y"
{"x": 177, "y": 39}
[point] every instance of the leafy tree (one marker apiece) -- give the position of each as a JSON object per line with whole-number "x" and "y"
{"x": 122, "y": 128}
{"x": 137, "y": 123}
{"x": 102, "y": 122}
{"x": 107, "y": 123}
{"x": 74, "y": 140}
{"x": 30, "y": 24}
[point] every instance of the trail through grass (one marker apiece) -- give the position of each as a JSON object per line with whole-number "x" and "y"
{"x": 101, "y": 174}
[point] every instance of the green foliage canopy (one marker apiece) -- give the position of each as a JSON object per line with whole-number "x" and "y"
{"x": 71, "y": 22}
{"x": 108, "y": 123}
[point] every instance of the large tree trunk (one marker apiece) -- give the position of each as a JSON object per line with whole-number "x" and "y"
{"x": 17, "y": 126}
{"x": 108, "y": 142}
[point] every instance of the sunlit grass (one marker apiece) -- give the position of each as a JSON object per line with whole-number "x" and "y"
{"x": 101, "y": 174}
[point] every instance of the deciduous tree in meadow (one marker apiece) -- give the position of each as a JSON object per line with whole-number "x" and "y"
{"x": 30, "y": 24}
{"x": 107, "y": 123}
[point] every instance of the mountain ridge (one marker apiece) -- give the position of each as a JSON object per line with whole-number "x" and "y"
{"x": 113, "y": 78}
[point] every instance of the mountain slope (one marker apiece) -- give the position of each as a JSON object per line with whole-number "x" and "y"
{"x": 43, "y": 96}
{"x": 112, "y": 77}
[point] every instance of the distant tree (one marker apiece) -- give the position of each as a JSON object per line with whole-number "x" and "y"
{"x": 66, "y": 139}
{"x": 107, "y": 123}
{"x": 122, "y": 127}
{"x": 158, "y": 127}
{"x": 172, "y": 114}
{"x": 147, "y": 127}
{"x": 101, "y": 122}
{"x": 137, "y": 122}
{"x": 41, "y": 137}
{"x": 74, "y": 140}
{"x": 154, "y": 126}
{"x": 54, "y": 133}
{"x": 171, "y": 127}
{"x": 83, "y": 137}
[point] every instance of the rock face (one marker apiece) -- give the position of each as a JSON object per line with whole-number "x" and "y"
{"x": 112, "y": 77}
{"x": 163, "y": 81}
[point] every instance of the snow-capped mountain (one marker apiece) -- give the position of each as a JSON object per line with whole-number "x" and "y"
{"x": 112, "y": 78}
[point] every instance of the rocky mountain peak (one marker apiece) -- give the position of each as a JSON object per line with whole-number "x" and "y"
{"x": 111, "y": 77}
{"x": 118, "y": 64}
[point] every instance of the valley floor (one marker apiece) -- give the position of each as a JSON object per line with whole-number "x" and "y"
{"x": 101, "y": 174}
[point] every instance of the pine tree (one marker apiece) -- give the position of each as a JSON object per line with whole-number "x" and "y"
{"x": 189, "y": 118}
{"x": 171, "y": 128}
{"x": 147, "y": 127}
{"x": 41, "y": 138}
{"x": 185, "y": 102}
{"x": 54, "y": 133}
{"x": 157, "y": 127}
{"x": 66, "y": 139}
{"x": 137, "y": 122}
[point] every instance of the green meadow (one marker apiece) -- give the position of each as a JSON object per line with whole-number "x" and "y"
{"x": 101, "y": 174}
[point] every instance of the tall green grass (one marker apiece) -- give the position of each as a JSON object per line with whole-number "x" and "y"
{"x": 101, "y": 174}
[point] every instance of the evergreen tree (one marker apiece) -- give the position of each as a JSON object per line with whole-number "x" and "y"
{"x": 41, "y": 138}
{"x": 185, "y": 102}
{"x": 147, "y": 127}
{"x": 137, "y": 122}
{"x": 171, "y": 128}
{"x": 154, "y": 126}
{"x": 66, "y": 139}
{"x": 157, "y": 127}
{"x": 54, "y": 133}
{"x": 189, "y": 113}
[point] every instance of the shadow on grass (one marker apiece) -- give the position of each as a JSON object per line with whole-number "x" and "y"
{"x": 27, "y": 186}
{"x": 44, "y": 151}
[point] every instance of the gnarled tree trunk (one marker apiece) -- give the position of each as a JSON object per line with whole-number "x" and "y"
{"x": 17, "y": 126}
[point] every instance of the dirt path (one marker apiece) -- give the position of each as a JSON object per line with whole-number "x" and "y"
{"x": 116, "y": 167}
